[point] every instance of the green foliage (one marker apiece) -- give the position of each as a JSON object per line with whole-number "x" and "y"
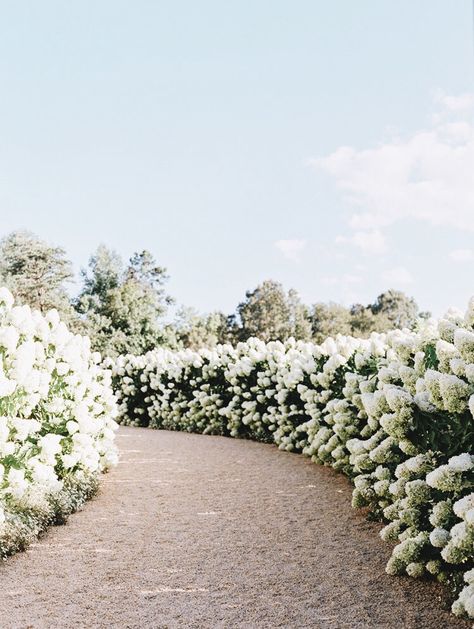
{"x": 431, "y": 359}
{"x": 328, "y": 320}
{"x": 300, "y": 325}
{"x": 36, "y": 273}
{"x": 392, "y": 309}
{"x": 400, "y": 310}
{"x": 123, "y": 307}
{"x": 447, "y": 433}
{"x": 194, "y": 330}
{"x": 270, "y": 313}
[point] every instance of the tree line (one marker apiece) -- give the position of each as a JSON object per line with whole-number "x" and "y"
{"x": 124, "y": 306}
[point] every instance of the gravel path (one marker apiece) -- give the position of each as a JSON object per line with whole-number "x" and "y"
{"x": 199, "y": 531}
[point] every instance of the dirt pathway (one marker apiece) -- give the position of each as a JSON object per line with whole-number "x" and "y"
{"x": 198, "y": 531}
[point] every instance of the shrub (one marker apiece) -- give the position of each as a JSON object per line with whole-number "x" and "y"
{"x": 56, "y": 422}
{"x": 393, "y": 412}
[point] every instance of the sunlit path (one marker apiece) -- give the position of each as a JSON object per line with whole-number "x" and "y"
{"x": 199, "y": 531}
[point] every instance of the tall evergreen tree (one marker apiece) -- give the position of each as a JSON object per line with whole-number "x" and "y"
{"x": 36, "y": 272}
{"x": 124, "y": 306}
{"x": 269, "y": 313}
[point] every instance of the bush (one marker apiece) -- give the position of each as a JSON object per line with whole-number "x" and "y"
{"x": 393, "y": 412}
{"x": 56, "y": 422}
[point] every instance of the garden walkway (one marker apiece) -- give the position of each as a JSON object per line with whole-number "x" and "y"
{"x": 206, "y": 532}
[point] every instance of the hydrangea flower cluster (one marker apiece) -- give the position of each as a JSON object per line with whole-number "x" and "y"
{"x": 393, "y": 412}
{"x": 57, "y": 425}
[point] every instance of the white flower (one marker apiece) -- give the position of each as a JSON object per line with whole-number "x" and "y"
{"x": 461, "y": 507}
{"x": 7, "y": 387}
{"x": 461, "y": 462}
{"x": 18, "y": 484}
{"x": 439, "y": 537}
{"x": 6, "y": 298}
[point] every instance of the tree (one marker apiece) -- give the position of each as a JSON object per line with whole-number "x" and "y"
{"x": 195, "y": 331}
{"x": 330, "y": 319}
{"x": 106, "y": 269}
{"x": 300, "y": 324}
{"x": 363, "y": 321}
{"x": 123, "y": 308}
{"x": 36, "y": 272}
{"x": 269, "y": 313}
{"x": 392, "y": 309}
{"x": 399, "y": 309}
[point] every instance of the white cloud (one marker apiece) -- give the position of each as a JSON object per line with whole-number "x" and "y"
{"x": 461, "y": 255}
{"x": 369, "y": 241}
{"x": 291, "y": 248}
{"x": 427, "y": 176}
{"x": 398, "y": 276}
{"x": 463, "y": 102}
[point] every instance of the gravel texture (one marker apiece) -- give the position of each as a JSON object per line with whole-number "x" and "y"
{"x": 200, "y": 531}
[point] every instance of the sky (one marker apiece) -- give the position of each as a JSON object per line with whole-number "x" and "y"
{"x": 326, "y": 145}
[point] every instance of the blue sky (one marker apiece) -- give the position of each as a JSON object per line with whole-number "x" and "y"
{"x": 213, "y": 134}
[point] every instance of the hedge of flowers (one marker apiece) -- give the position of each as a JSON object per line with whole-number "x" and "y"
{"x": 393, "y": 412}
{"x": 56, "y": 422}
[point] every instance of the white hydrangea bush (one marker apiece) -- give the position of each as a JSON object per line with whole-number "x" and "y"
{"x": 393, "y": 412}
{"x": 57, "y": 425}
